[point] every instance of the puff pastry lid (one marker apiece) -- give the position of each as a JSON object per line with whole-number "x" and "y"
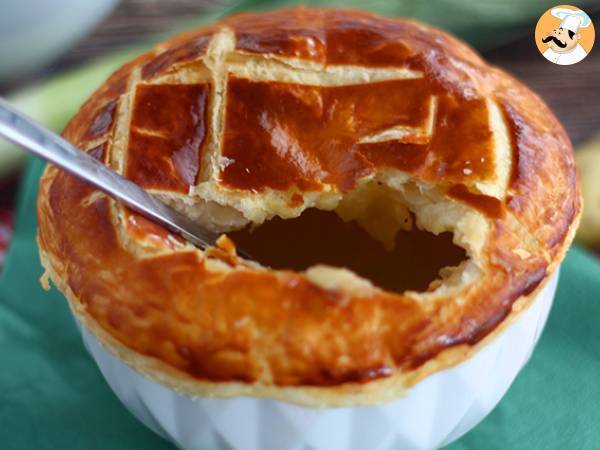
{"x": 265, "y": 115}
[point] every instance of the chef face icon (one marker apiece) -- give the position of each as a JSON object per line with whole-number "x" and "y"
{"x": 561, "y": 40}
{"x": 564, "y": 35}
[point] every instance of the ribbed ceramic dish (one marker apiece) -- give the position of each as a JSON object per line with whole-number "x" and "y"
{"x": 436, "y": 412}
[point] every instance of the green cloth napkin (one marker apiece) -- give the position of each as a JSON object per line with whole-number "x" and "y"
{"x": 53, "y": 397}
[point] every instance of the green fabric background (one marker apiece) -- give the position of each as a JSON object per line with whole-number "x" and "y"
{"x": 53, "y": 397}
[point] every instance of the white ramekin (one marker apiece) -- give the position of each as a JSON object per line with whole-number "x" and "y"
{"x": 436, "y": 412}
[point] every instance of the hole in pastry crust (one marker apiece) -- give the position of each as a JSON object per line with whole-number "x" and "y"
{"x": 323, "y": 237}
{"x": 392, "y": 231}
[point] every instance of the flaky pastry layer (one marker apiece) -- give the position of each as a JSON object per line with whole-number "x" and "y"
{"x": 265, "y": 115}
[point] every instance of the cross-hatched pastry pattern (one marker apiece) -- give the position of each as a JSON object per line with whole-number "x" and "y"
{"x": 265, "y": 115}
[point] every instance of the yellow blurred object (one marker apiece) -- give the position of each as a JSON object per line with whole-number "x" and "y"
{"x": 588, "y": 160}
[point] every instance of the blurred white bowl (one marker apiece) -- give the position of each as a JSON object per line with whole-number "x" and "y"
{"x": 35, "y": 32}
{"x": 436, "y": 411}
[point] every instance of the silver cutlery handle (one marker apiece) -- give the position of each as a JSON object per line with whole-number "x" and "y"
{"x": 41, "y": 142}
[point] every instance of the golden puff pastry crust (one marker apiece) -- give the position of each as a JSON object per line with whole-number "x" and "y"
{"x": 262, "y": 117}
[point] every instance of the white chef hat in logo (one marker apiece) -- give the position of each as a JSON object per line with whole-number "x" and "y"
{"x": 570, "y": 19}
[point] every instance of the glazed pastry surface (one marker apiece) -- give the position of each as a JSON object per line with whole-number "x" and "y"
{"x": 386, "y": 123}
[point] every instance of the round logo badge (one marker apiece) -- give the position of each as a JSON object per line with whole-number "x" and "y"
{"x": 564, "y": 35}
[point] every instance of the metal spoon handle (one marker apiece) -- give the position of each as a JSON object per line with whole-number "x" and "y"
{"x": 36, "y": 139}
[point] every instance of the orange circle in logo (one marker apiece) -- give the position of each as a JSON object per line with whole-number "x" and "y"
{"x": 564, "y": 35}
